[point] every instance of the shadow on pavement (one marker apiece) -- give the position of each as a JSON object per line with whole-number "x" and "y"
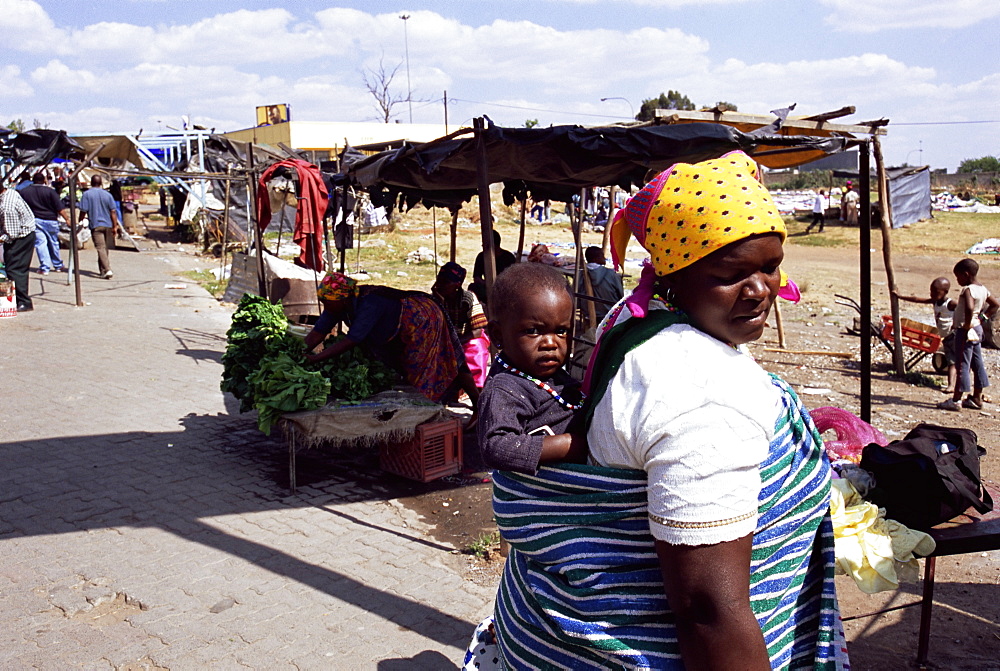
{"x": 215, "y": 466}
{"x": 428, "y": 660}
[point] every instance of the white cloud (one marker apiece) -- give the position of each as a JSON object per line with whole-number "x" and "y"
{"x": 12, "y": 84}
{"x": 868, "y": 81}
{"x": 56, "y": 75}
{"x": 244, "y": 36}
{"x": 667, "y": 4}
{"x": 91, "y": 119}
{"x": 122, "y": 75}
{"x": 25, "y": 26}
{"x": 531, "y": 56}
{"x": 864, "y": 16}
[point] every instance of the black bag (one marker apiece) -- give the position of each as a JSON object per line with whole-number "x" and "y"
{"x": 928, "y": 477}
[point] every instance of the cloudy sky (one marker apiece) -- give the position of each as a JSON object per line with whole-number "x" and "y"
{"x": 931, "y": 67}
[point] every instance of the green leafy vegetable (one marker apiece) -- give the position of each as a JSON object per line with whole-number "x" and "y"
{"x": 257, "y": 324}
{"x": 355, "y": 376}
{"x": 282, "y": 385}
{"x": 265, "y": 367}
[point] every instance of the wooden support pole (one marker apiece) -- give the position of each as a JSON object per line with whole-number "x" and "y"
{"x": 779, "y": 324}
{"x": 578, "y": 271}
{"x": 485, "y": 207}
{"x": 434, "y": 219}
{"x": 865, "y": 271}
{"x": 606, "y": 241}
{"x": 520, "y": 236}
{"x": 74, "y": 245}
{"x": 782, "y": 350}
{"x": 225, "y": 227}
{"x": 454, "y": 234}
{"x": 258, "y": 235}
{"x": 898, "y": 361}
{"x": 73, "y": 242}
{"x": 582, "y": 276}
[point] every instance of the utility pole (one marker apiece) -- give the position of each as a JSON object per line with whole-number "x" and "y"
{"x": 445, "y": 112}
{"x": 406, "y": 48}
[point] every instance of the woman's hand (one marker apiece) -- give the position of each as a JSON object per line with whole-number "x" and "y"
{"x": 336, "y": 349}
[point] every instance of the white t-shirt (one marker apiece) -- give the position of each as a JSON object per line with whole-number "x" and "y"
{"x": 944, "y": 316}
{"x": 698, "y": 416}
{"x": 979, "y": 295}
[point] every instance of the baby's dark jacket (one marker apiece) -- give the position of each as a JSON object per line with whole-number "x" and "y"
{"x": 510, "y": 407}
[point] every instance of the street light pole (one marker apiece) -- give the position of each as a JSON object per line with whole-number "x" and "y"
{"x": 620, "y": 98}
{"x": 406, "y": 48}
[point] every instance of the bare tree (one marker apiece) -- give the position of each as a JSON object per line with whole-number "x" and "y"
{"x": 378, "y": 83}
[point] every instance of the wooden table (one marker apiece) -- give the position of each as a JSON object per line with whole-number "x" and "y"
{"x": 967, "y": 533}
{"x": 388, "y": 416}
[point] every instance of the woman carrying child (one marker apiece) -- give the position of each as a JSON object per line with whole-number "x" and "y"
{"x": 702, "y": 537}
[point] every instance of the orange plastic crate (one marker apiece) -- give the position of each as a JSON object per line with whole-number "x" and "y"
{"x": 434, "y": 452}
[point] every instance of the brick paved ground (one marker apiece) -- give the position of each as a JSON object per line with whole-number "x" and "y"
{"x": 146, "y": 524}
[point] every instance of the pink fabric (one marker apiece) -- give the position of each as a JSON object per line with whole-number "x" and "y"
{"x": 852, "y": 432}
{"x": 477, "y": 355}
{"x": 790, "y": 292}
{"x": 638, "y": 301}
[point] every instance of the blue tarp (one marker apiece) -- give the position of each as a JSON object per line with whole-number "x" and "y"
{"x": 909, "y": 195}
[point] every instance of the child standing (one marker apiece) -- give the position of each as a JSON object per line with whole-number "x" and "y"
{"x": 529, "y": 402}
{"x": 968, "y": 337}
{"x": 944, "y": 315}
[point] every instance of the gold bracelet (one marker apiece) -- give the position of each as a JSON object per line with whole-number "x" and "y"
{"x": 700, "y": 525}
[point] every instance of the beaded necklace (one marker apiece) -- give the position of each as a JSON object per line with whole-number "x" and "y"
{"x": 542, "y": 385}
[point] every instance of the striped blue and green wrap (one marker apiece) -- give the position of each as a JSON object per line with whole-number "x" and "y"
{"x": 582, "y": 585}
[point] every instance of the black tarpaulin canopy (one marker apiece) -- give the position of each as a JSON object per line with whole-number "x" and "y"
{"x": 557, "y": 162}
{"x": 36, "y": 148}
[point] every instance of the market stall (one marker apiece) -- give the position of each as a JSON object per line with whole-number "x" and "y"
{"x": 559, "y": 161}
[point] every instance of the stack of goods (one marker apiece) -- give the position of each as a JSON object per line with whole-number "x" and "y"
{"x": 265, "y": 367}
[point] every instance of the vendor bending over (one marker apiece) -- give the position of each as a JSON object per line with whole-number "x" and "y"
{"x": 405, "y": 329}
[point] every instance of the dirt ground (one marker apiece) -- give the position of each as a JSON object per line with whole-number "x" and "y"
{"x": 965, "y": 633}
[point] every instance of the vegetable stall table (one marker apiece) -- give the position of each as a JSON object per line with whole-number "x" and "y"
{"x": 415, "y": 437}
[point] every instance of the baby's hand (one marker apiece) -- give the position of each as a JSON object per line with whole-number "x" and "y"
{"x": 565, "y": 447}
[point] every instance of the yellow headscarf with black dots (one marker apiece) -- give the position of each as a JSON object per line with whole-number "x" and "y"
{"x": 692, "y": 209}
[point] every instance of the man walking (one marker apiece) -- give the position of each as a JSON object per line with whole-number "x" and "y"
{"x": 102, "y": 217}
{"x": 819, "y": 212}
{"x": 17, "y": 233}
{"x": 47, "y": 207}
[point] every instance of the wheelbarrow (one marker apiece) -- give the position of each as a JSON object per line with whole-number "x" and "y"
{"x": 921, "y": 338}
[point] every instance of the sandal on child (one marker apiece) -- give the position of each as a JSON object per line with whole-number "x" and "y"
{"x": 950, "y": 404}
{"x": 971, "y": 404}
